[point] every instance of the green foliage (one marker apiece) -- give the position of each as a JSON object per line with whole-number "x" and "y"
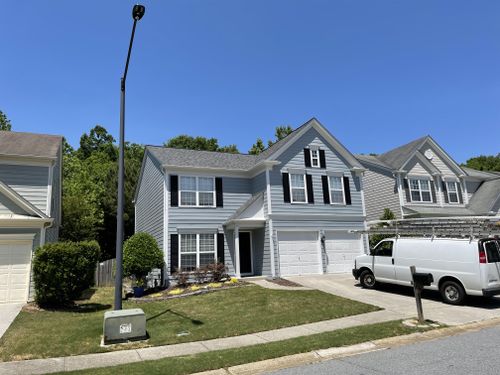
{"x": 257, "y": 147}
{"x": 140, "y": 255}
{"x": 5, "y": 122}
{"x": 485, "y": 163}
{"x": 199, "y": 143}
{"x": 63, "y": 270}
{"x": 97, "y": 140}
{"x": 376, "y": 238}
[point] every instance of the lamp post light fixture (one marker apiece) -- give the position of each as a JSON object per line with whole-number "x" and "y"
{"x": 137, "y": 14}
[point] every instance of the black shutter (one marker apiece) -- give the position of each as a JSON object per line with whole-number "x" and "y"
{"x": 459, "y": 192}
{"x": 307, "y": 157}
{"x": 174, "y": 252}
{"x": 433, "y": 191}
{"x": 220, "y": 247}
{"x": 310, "y": 192}
{"x": 326, "y": 189}
{"x": 347, "y": 191}
{"x": 286, "y": 188}
{"x": 174, "y": 190}
{"x": 218, "y": 192}
{"x": 322, "y": 159}
{"x": 445, "y": 193}
{"x": 407, "y": 190}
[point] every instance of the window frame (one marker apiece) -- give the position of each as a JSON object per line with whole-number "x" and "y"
{"x": 198, "y": 252}
{"x": 291, "y": 187}
{"x": 197, "y": 192}
{"x": 375, "y": 250}
{"x": 420, "y": 190}
{"x": 448, "y": 183}
{"x": 313, "y": 158}
{"x": 342, "y": 189}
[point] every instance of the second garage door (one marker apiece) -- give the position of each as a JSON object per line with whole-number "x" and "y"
{"x": 341, "y": 249}
{"x": 15, "y": 259}
{"x": 299, "y": 253}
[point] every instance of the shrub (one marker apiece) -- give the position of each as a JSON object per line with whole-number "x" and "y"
{"x": 140, "y": 255}
{"x": 63, "y": 270}
{"x": 217, "y": 272}
{"x": 182, "y": 278}
{"x": 200, "y": 275}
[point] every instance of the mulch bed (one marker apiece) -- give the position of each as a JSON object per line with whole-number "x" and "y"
{"x": 283, "y": 282}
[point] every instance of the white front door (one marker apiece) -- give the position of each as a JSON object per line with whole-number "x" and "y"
{"x": 299, "y": 253}
{"x": 341, "y": 248}
{"x": 15, "y": 263}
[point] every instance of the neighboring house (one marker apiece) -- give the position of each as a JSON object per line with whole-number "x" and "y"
{"x": 30, "y": 206}
{"x": 290, "y": 210}
{"x": 420, "y": 179}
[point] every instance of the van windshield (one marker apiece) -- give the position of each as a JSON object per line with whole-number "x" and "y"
{"x": 492, "y": 251}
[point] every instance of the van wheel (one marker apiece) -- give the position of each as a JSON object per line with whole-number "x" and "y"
{"x": 367, "y": 279}
{"x": 452, "y": 293}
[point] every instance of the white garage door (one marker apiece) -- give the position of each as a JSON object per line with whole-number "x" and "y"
{"x": 341, "y": 249}
{"x": 299, "y": 253}
{"x": 15, "y": 260}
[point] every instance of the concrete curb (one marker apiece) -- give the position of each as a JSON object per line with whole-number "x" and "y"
{"x": 316, "y": 356}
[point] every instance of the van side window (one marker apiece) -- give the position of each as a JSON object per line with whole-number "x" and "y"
{"x": 384, "y": 249}
{"x": 492, "y": 252}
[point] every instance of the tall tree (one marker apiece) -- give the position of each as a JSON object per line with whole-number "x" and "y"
{"x": 199, "y": 143}
{"x": 257, "y": 147}
{"x": 98, "y": 139}
{"x": 5, "y": 122}
{"x": 485, "y": 163}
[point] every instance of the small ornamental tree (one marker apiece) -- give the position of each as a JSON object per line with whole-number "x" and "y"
{"x": 140, "y": 255}
{"x": 376, "y": 238}
{"x": 63, "y": 270}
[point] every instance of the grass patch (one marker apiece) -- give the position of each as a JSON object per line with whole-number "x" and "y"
{"x": 232, "y": 357}
{"x": 231, "y": 312}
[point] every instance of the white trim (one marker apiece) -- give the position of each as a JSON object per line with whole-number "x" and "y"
{"x": 343, "y": 192}
{"x": 294, "y": 216}
{"x": 198, "y": 251}
{"x": 271, "y": 248}
{"x": 420, "y": 190}
{"x": 440, "y": 191}
{"x": 270, "y": 222}
{"x": 320, "y": 253}
{"x": 311, "y": 150}
{"x": 268, "y": 194}
{"x": 465, "y": 193}
{"x": 251, "y": 253}
{"x": 291, "y": 187}
{"x": 21, "y": 237}
{"x": 400, "y": 193}
{"x": 197, "y": 192}
{"x": 457, "y": 191}
{"x": 237, "y": 251}
{"x": 26, "y": 222}
{"x": 49, "y": 190}
{"x": 42, "y": 236}
{"x": 165, "y": 216}
{"x": 29, "y": 161}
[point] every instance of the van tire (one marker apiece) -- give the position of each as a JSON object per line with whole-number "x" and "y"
{"x": 452, "y": 292}
{"x": 367, "y": 279}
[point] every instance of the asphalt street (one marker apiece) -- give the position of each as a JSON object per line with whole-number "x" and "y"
{"x": 474, "y": 353}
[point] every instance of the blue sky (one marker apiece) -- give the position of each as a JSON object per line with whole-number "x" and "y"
{"x": 377, "y": 74}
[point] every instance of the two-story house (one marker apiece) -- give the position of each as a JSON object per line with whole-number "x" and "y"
{"x": 30, "y": 206}
{"x": 420, "y": 179}
{"x": 290, "y": 210}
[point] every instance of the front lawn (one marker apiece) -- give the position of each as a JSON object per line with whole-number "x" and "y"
{"x": 41, "y": 334}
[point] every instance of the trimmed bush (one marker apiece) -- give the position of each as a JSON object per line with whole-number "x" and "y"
{"x": 140, "y": 255}
{"x": 63, "y": 270}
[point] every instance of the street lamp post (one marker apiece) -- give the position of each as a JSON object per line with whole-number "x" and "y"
{"x": 137, "y": 13}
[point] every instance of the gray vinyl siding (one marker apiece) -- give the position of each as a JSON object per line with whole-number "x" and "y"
{"x": 149, "y": 202}
{"x": 259, "y": 185}
{"x": 8, "y": 207}
{"x": 381, "y": 191}
{"x": 293, "y": 157}
{"x": 28, "y": 181}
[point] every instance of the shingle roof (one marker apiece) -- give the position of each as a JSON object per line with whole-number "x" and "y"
{"x": 485, "y": 197}
{"x": 399, "y": 155}
{"x": 372, "y": 159}
{"x": 438, "y": 211}
{"x": 483, "y": 175}
{"x": 29, "y": 144}
{"x": 176, "y": 157}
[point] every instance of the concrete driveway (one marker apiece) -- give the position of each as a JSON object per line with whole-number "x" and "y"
{"x": 7, "y": 315}
{"x": 400, "y": 301}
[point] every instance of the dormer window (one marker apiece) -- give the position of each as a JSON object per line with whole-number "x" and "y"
{"x": 420, "y": 190}
{"x": 315, "y": 158}
{"x": 452, "y": 189}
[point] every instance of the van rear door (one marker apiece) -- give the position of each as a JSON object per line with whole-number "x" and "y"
{"x": 491, "y": 265}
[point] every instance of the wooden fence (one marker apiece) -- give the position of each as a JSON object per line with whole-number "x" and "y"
{"x": 104, "y": 273}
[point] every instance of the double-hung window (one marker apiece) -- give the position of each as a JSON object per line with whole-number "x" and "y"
{"x": 336, "y": 190}
{"x": 420, "y": 190}
{"x": 315, "y": 158}
{"x": 196, "y": 250}
{"x": 197, "y": 191}
{"x": 451, "y": 188}
{"x": 298, "y": 188}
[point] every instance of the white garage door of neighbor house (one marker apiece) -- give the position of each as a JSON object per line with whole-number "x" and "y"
{"x": 15, "y": 260}
{"x": 341, "y": 249}
{"x": 299, "y": 253}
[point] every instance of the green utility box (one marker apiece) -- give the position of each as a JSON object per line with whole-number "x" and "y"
{"x": 124, "y": 325}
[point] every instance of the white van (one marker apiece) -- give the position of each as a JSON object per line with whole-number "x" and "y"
{"x": 459, "y": 267}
